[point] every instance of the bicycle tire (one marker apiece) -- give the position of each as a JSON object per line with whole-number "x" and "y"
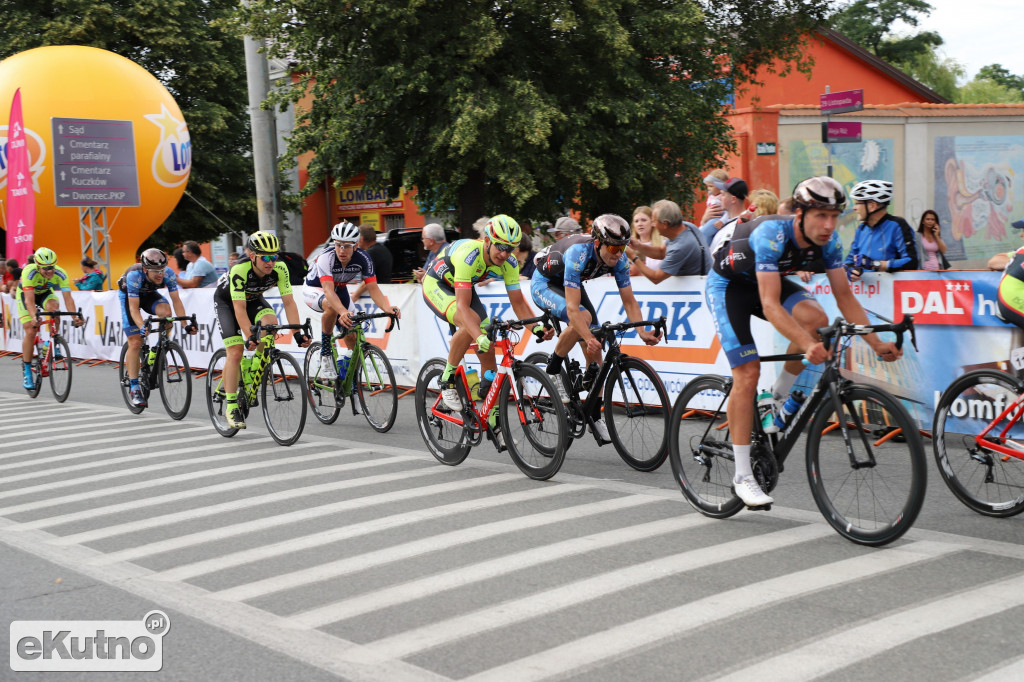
{"x": 375, "y": 389}
{"x": 36, "y": 368}
{"x": 992, "y": 486}
{"x": 216, "y": 402}
{"x": 122, "y": 376}
{"x": 283, "y": 397}
{"x": 700, "y": 448}
{"x": 174, "y": 379}
{"x": 574, "y": 410}
{"x": 447, "y": 442}
{"x": 637, "y": 426}
{"x": 538, "y": 412}
{"x": 868, "y": 505}
{"x": 321, "y": 394}
{"x": 60, "y": 371}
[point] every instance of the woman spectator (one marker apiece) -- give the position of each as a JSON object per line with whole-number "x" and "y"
{"x": 932, "y": 247}
{"x": 644, "y": 233}
{"x": 524, "y": 254}
{"x": 92, "y": 279}
{"x": 179, "y": 259}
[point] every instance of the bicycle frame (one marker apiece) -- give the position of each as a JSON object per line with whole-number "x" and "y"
{"x": 1017, "y": 409}
{"x": 161, "y": 327}
{"x": 357, "y": 351}
{"x": 250, "y": 376}
{"x": 44, "y": 358}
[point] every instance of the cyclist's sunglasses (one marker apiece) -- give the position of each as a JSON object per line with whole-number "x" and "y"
{"x": 344, "y": 246}
{"x": 504, "y": 248}
{"x": 615, "y": 249}
{"x": 270, "y": 258}
{"x": 48, "y": 268}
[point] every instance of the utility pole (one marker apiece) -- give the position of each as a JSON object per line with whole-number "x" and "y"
{"x": 264, "y": 138}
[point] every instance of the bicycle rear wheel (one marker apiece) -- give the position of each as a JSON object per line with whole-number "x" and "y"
{"x": 60, "y": 370}
{"x": 174, "y": 378}
{"x": 216, "y": 401}
{"x": 987, "y": 481}
{"x": 870, "y": 504}
{"x": 700, "y": 448}
{"x": 283, "y": 397}
{"x": 446, "y": 440}
{"x": 374, "y": 387}
{"x": 636, "y": 411}
{"x": 122, "y": 375}
{"x": 533, "y": 422}
{"x": 321, "y": 391}
{"x": 574, "y": 410}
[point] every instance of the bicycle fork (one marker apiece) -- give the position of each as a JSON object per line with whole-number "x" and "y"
{"x": 837, "y": 405}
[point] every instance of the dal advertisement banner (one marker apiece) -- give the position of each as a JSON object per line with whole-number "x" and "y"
{"x": 957, "y": 330}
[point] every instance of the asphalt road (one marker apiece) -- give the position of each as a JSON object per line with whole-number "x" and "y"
{"x": 354, "y": 555}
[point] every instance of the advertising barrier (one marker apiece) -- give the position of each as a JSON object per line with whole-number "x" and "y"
{"x": 955, "y": 311}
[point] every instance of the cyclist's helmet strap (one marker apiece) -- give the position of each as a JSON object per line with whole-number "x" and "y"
{"x": 821, "y": 192}
{"x": 611, "y": 229}
{"x": 345, "y": 232}
{"x": 44, "y": 257}
{"x": 503, "y": 229}
{"x": 153, "y": 259}
{"x": 263, "y": 242}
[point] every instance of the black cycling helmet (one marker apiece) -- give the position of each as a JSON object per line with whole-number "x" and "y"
{"x": 153, "y": 259}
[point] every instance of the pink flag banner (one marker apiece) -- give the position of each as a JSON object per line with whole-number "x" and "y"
{"x": 21, "y": 197}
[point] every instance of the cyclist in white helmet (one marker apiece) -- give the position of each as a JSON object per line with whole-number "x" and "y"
{"x": 883, "y": 242}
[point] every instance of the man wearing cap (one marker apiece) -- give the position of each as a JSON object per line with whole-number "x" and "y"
{"x": 564, "y": 227}
{"x": 733, "y": 197}
{"x": 685, "y": 253}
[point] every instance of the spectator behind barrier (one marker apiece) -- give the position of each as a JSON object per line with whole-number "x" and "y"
{"x": 734, "y": 196}
{"x": 434, "y": 240}
{"x": 644, "y": 232}
{"x": 564, "y": 227}
{"x": 92, "y": 277}
{"x": 713, "y": 210}
{"x": 199, "y": 272}
{"x": 686, "y": 252}
{"x": 883, "y": 242}
{"x": 11, "y": 277}
{"x": 933, "y": 249}
{"x": 1001, "y": 260}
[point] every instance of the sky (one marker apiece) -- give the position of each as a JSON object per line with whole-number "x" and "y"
{"x": 978, "y": 32}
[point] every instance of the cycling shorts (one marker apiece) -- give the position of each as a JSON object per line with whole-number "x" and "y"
{"x": 550, "y": 296}
{"x": 41, "y": 300}
{"x": 256, "y": 309}
{"x": 732, "y": 302}
{"x": 313, "y": 297}
{"x": 148, "y": 302}
{"x": 441, "y": 300}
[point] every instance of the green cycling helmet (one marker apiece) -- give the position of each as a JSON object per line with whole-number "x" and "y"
{"x": 264, "y": 242}
{"x": 45, "y": 257}
{"x": 503, "y": 229}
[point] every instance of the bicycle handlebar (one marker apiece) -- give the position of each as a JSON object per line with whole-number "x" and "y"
{"x": 840, "y": 328}
{"x": 359, "y": 318}
{"x": 57, "y": 313}
{"x": 153, "y": 319}
{"x": 608, "y": 331}
{"x": 500, "y": 326}
{"x": 274, "y": 328}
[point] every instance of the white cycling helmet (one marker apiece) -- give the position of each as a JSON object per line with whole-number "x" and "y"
{"x": 611, "y": 229}
{"x": 820, "y": 191}
{"x": 879, "y": 191}
{"x": 345, "y": 232}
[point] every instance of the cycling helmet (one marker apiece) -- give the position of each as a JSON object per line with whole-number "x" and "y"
{"x": 153, "y": 259}
{"x": 879, "y": 191}
{"x": 345, "y": 232}
{"x": 45, "y": 257}
{"x": 611, "y": 229}
{"x": 819, "y": 192}
{"x": 502, "y": 229}
{"x": 263, "y": 242}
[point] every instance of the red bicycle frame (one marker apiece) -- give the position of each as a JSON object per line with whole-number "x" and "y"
{"x": 1017, "y": 409}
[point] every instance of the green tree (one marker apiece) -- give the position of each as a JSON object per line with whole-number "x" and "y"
{"x": 869, "y": 24}
{"x": 938, "y": 73}
{"x": 184, "y": 44}
{"x": 987, "y": 91}
{"x": 999, "y": 74}
{"x": 528, "y": 107}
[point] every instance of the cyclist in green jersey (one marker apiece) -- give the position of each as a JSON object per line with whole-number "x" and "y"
{"x": 39, "y": 280}
{"x": 239, "y": 304}
{"x": 448, "y": 291}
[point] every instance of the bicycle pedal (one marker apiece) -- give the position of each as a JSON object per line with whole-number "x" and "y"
{"x": 760, "y": 507}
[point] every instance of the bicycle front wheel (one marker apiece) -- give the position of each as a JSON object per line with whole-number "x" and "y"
{"x": 122, "y": 375}
{"x": 283, "y": 397}
{"x": 442, "y": 430}
{"x": 374, "y": 387}
{"x": 533, "y": 422}
{"x": 875, "y": 500}
{"x": 700, "y": 448}
{"x": 985, "y": 480}
{"x": 174, "y": 378}
{"x": 636, "y": 411}
{"x": 216, "y": 400}
{"x": 60, "y": 369}
{"x": 321, "y": 391}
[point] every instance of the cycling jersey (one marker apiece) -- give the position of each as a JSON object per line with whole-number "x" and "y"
{"x": 768, "y": 244}
{"x": 33, "y": 278}
{"x": 243, "y": 283}
{"x": 461, "y": 264}
{"x": 134, "y": 282}
{"x": 892, "y": 239}
{"x": 328, "y": 268}
{"x": 572, "y": 260}
{"x": 1011, "y": 290}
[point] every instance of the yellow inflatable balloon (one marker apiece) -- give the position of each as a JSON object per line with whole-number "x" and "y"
{"x": 101, "y": 131}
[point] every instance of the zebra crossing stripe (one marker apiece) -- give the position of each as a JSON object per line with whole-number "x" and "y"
{"x": 12, "y": 422}
{"x": 630, "y": 637}
{"x": 52, "y": 435}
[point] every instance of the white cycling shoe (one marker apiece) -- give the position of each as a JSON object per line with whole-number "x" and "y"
{"x": 750, "y": 492}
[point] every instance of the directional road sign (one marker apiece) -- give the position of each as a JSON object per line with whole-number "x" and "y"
{"x": 839, "y": 102}
{"x": 94, "y": 162}
{"x": 841, "y": 131}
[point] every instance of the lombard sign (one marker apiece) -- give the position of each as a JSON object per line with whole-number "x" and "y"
{"x": 359, "y": 198}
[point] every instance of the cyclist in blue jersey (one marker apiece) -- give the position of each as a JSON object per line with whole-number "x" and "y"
{"x": 137, "y": 291}
{"x": 750, "y": 260}
{"x": 557, "y": 286}
{"x": 883, "y": 242}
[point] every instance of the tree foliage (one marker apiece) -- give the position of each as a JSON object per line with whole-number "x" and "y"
{"x": 999, "y": 74}
{"x": 529, "y": 107}
{"x": 185, "y": 45}
{"x": 987, "y": 91}
{"x": 869, "y": 24}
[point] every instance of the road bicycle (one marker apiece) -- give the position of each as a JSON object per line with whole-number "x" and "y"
{"x": 370, "y": 379}
{"x": 163, "y": 366}
{"x": 865, "y": 455}
{"x": 531, "y": 424}
{"x": 271, "y": 379}
{"x": 52, "y": 357}
{"x": 635, "y": 403}
{"x": 978, "y": 440}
